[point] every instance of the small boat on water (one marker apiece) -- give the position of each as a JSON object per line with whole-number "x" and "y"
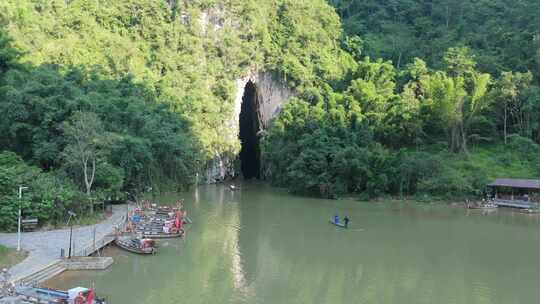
{"x": 234, "y": 187}
{"x": 144, "y": 246}
{"x": 342, "y": 225}
{"x": 482, "y": 206}
{"x": 45, "y": 295}
{"x": 530, "y": 211}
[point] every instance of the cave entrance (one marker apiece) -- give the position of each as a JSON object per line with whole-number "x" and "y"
{"x": 250, "y": 155}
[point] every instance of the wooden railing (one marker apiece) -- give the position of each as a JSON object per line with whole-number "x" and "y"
{"x": 100, "y": 241}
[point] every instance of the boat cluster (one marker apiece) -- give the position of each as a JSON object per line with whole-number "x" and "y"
{"x": 39, "y": 295}
{"x": 149, "y": 222}
{"x": 489, "y": 205}
{"x": 483, "y": 205}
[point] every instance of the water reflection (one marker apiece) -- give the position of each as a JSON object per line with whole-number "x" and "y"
{"x": 261, "y": 245}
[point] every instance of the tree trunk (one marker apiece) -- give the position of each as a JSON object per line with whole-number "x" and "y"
{"x": 464, "y": 140}
{"x": 505, "y": 118}
{"x": 89, "y": 180}
{"x": 521, "y": 123}
{"x": 458, "y": 138}
{"x": 526, "y": 125}
{"x": 401, "y": 188}
{"x": 447, "y": 16}
{"x": 85, "y": 171}
{"x": 453, "y": 137}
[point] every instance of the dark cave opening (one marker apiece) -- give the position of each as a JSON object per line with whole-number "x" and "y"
{"x": 250, "y": 159}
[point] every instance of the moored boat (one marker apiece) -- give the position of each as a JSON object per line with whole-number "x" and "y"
{"x": 45, "y": 295}
{"x": 139, "y": 246}
{"x": 484, "y": 207}
{"x": 530, "y": 211}
{"x": 161, "y": 234}
{"x": 481, "y": 205}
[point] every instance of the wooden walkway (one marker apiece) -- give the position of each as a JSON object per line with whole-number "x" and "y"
{"x": 45, "y": 247}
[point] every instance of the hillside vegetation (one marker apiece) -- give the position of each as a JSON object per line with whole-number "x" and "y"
{"x": 443, "y": 99}
{"x": 101, "y": 97}
{"x": 106, "y": 97}
{"x": 502, "y": 34}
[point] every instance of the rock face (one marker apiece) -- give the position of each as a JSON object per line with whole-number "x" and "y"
{"x": 271, "y": 95}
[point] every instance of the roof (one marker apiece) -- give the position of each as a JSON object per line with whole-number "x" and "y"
{"x": 516, "y": 183}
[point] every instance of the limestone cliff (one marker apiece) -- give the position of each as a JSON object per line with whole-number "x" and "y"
{"x": 271, "y": 95}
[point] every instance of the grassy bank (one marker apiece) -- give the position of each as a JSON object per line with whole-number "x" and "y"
{"x": 468, "y": 174}
{"x": 10, "y": 257}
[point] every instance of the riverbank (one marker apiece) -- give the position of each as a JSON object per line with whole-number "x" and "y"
{"x": 421, "y": 200}
{"x": 44, "y": 247}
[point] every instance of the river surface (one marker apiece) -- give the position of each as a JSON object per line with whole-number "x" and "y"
{"x": 262, "y": 245}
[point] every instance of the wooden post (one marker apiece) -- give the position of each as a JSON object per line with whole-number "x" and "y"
{"x": 94, "y": 239}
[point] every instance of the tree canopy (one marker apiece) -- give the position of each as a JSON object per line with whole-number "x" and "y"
{"x": 500, "y": 33}
{"x": 399, "y": 97}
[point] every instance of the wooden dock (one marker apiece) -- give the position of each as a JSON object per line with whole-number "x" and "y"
{"x": 516, "y": 204}
{"x": 47, "y": 271}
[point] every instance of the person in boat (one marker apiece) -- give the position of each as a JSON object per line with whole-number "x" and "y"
{"x": 179, "y": 221}
{"x": 336, "y": 218}
{"x": 147, "y": 243}
{"x": 79, "y": 299}
{"x": 346, "y": 221}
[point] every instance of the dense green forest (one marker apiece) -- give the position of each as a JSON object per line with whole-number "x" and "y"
{"x": 105, "y": 97}
{"x": 501, "y": 34}
{"x": 442, "y": 99}
{"x": 101, "y": 97}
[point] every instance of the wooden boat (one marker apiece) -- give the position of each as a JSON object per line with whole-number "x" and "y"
{"x": 161, "y": 220}
{"x": 530, "y": 211}
{"x": 149, "y": 229}
{"x": 47, "y": 295}
{"x": 486, "y": 206}
{"x": 161, "y": 234}
{"x": 144, "y": 246}
{"x": 342, "y": 225}
{"x": 151, "y": 224}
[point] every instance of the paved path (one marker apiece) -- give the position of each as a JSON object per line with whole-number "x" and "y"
{"x": 44, "y": 247}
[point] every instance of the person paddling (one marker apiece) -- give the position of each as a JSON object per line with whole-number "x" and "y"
{"x": 336, "y": 219}
{"x": 346, "y": 221}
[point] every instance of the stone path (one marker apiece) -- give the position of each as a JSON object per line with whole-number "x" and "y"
{"x": 44, "y": 247}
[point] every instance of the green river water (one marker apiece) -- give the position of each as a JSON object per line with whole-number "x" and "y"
{"x": 262, "y": 245}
